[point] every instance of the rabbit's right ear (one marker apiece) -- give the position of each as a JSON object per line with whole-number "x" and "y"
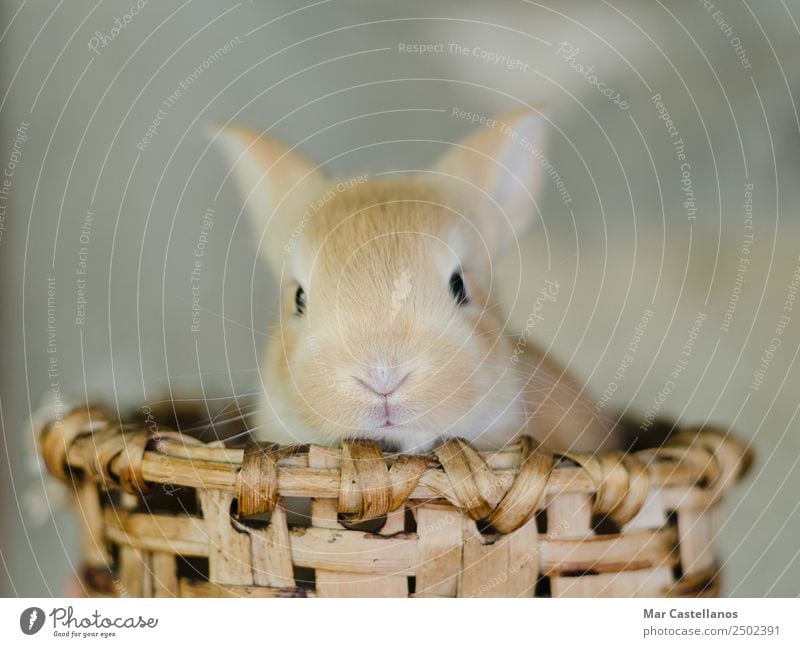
{"x": 504, "y": 161}
{"x": 275, "y": 182}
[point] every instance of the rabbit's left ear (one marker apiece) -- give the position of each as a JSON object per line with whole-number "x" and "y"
{"x": 503, "y": 160}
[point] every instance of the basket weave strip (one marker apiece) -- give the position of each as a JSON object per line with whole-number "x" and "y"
{"x": 458, "y": 523}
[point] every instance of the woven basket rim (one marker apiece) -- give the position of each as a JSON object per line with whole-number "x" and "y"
{"x": 506, "y": 487}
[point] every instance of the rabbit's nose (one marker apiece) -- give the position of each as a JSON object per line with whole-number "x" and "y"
{"x": 383, "y": 380}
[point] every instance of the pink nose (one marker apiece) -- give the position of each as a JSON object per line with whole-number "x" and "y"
{"x": 383, "y": 380}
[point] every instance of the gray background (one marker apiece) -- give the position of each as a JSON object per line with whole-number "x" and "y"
{"x": 330, "y": 78}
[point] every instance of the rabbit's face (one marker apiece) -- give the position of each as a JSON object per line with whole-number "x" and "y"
{"x": 387, "y": 331}
{"x": 388, "y": 327}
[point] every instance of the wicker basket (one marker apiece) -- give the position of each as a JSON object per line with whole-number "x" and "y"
{"x": 166, "y": 514}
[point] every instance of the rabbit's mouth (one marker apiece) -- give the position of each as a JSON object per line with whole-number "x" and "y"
{"x": 384, "y": 415}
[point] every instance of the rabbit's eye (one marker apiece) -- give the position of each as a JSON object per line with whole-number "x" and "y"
{"x": 457, "y": 289}
{"x": 299, "y": 301}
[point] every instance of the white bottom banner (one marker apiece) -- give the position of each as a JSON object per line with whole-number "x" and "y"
{"x": 330, "y": 622}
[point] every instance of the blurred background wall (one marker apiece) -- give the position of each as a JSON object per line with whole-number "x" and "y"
{"x": 108, "y": 176}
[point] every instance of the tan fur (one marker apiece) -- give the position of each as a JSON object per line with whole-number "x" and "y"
{"x": 375, "y": 262}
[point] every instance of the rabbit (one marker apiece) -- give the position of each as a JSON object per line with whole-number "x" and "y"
{"x": 389, "y": 328}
